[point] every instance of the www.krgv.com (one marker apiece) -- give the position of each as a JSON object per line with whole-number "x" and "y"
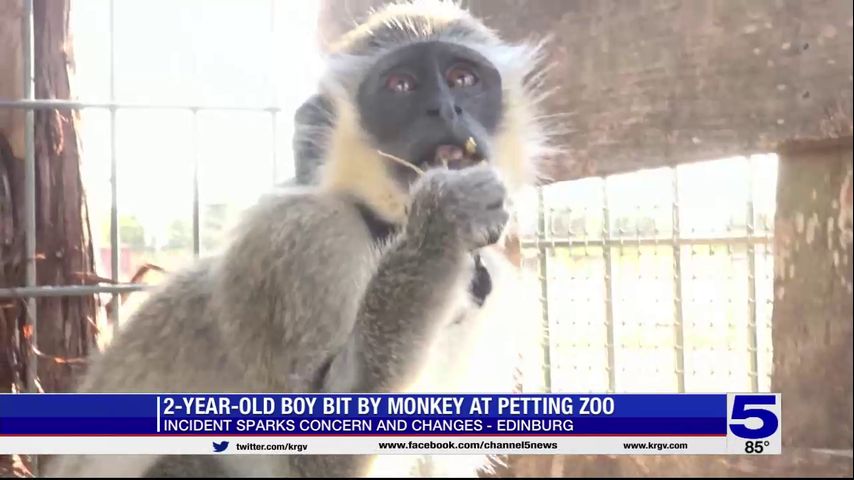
{"x": 655, "y": 446}
{"x": 481, "y": 445}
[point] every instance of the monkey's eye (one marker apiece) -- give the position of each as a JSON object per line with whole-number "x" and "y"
{"x": 400, "y": 83}
{"x": 461, "y": 76}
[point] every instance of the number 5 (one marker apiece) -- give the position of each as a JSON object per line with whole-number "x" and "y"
{"x": 770, "y": 423}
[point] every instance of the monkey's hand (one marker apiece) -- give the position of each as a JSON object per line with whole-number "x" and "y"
{"x": 420, "y": 280}
{"x": 463, "y": 207}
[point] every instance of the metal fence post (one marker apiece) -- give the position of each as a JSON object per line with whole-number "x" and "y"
{"x": 115, "y": 240}
{"x": 678, "y": 321}
{"x": 30, "y": 196}
{"x": 544, "y": 289}
{"x": 611, "y": 339}
{"x": 752, "y": 341}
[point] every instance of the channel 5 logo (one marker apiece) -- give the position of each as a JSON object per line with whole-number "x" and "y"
{"x": 754, "y": 423}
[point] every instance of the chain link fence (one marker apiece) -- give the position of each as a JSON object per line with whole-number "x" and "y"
{"x": 656, "y": 281}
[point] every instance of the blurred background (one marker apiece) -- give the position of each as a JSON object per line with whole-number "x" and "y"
{"x": 694, "y": 237}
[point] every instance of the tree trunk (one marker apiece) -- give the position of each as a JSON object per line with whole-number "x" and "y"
{"x": 11, "y": 123}
{"x": 64, "y": 254}
{"x": 66, "y": 325}
{"x": 63, "y": 249}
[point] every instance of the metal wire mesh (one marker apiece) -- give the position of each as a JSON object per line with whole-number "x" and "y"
{"x": 31, "y": 290}
{"x": 659, "y": 280}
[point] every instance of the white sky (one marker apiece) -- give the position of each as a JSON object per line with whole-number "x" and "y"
{"x": 222, "y": 52}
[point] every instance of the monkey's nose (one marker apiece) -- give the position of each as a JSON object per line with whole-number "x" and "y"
{"x": 446, "y": 109}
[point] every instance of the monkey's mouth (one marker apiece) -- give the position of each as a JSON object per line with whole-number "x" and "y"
{"x": 455, "y": 156}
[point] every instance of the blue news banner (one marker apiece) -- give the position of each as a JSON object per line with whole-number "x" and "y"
{"x": 390, "y": 424}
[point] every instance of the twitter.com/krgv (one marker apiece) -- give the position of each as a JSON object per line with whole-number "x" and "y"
{"x": 220, "y": 447}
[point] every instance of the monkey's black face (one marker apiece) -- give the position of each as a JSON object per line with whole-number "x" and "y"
{"x": 431, "y": 104}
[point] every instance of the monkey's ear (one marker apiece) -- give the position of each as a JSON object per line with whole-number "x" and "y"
{"x": 315, "y": 111}
{"x": 312, "y": 122}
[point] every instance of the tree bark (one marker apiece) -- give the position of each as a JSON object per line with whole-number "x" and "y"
{"x": 11, "y": 122}
{"x": 64, "y": 254}
{"x": 66, "y": 325}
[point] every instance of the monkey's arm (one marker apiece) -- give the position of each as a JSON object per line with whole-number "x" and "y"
{"x": 420, "y": 281}
{"x": 403, "y": 303}
{"x": 414, "y": 290}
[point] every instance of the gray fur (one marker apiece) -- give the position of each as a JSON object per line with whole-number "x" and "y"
{"x": 250, "y": 320}
{"x": 312, "y": 123}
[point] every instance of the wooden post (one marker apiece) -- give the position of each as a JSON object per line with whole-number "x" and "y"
{"x": 812, "y": 319}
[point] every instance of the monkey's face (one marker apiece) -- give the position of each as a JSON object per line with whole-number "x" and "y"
{"x": 431, "y": 104}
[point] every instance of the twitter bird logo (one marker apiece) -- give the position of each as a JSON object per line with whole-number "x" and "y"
{"x": 220, "y": 447}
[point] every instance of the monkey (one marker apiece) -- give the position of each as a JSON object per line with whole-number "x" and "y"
{"x": 312, "y": 122}
{"x": 358, "y": 278}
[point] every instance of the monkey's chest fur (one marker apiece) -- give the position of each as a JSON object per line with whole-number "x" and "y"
{"x": 481, "y": 283}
